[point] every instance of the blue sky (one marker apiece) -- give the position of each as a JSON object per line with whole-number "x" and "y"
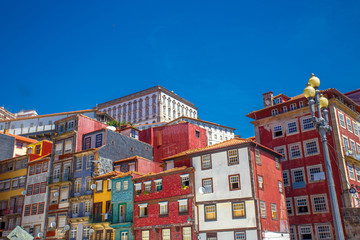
{"x": 58, "y": 56}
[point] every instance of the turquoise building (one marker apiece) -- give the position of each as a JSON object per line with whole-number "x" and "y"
{"x": 122, "y": 199}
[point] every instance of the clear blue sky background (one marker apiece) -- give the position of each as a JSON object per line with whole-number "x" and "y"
{"x": 58, "y": 56}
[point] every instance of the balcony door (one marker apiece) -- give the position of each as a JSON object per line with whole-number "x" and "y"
{"x": 97, "y": 211}
{"x": 122, "y": 213}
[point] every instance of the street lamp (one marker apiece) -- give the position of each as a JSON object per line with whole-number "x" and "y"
{"x": 312, "y": 93}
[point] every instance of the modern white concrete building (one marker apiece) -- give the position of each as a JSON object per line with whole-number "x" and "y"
{"x": 215, "y": 133}
{"x": 152, "y": 105}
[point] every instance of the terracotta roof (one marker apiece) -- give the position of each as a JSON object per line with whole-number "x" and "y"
{"x": 164, "y": 172}
{"x": 20, "y": 138}
{"x": 131, "y": 158}
{"x": 107, "y": 175}
{"x": 125, "y": 174}
{"x": 199, "y": 120}
{"x": 231, "y": 142}
{"x": 39, "y": 159}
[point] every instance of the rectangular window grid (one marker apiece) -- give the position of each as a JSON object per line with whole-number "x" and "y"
{"x": 234, "y": 182}
{"x": 210, "y": 212}
{"x": 307, "y": 124}
{"x": 324, "y": 232}
{"x": 292, "y": 127}
{"x": 295, "y": 151}
{"x": 311, "y": 148}
{"x": 319, "y": 204}
{"x": 233, "y": 157}
{"x": 206, "y": 161}
{"x": 238, "y": 209}
{"x": 207, "y": 184}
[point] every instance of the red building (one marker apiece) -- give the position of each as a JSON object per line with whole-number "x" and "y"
{"x": 137, "y": 164}
{"x": 173, "y": 139}
{"x": 285, "y": 125}
{"x": 163, "y": 205}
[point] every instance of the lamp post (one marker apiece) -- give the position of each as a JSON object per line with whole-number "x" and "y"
{"x": 321, "y": 121}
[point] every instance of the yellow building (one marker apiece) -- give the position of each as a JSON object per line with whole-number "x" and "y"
{"x": 101, "y": 214}
{"x": 12, "y": 184}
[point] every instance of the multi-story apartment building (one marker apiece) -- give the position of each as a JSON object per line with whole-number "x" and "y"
{"x": 152, "y": 105}
{"x": 137, "y": 164}
{"x": 285, "y": 125}
{"x": 122, "y": 202}
{"x": 69, "y": 139}
{"x": 36, "y": 197}
{"x": 163, "y": 205}
{"x": 5, "y": 114}
{"x": 43, "y": 126}
{"x": 13, "y": 145}
{"x": 239, "y": 191}
{"x": 215, "y": 133}
{"x": 172, "y": 139}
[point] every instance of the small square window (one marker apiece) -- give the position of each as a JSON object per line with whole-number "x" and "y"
{"x": 234, "y": 181}
{"x": 210, "y": 212}
{"x": 302, "y": 206}
{"x": 238, "y": 210}
{"x": 206, "y": 162}
{"x": 233, "y": 157}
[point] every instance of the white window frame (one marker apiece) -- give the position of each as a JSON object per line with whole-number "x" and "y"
{"x": 296, "y": 199}
{"x": 303, "y": 124}
{"x": 293, "y": 232}
{"x": 163, "y": 208}
{"x": 263, "y": 209}
{"x": 356, "y": 128}
{"x": 296, "y": 125}
{"x": 68, "y": 146}
{"x": 290, "y": 152}
{"x": 293, "y": 176}
{"x": 357, "y": 172}
{"x": 274, "y": 112}
{"x": 351, "y": 171}
{"x": 308, "y": 168}
{"x": 273, "y": 131}
{"x": 293, "y": 106}
{"x": 305, "y": 226}
{"x": 342, "y": 120}
{"x": 285, "y": 109}
{"x": 318, "y": 232}
{"x": 313, "y": 203}
{"x": 276, "y": 149}
{"x": 348, "y": 124}
{"x": 315, "y": 140}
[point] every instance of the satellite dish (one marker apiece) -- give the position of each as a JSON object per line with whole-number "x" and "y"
{"x": 53, "y": 224}
{"x": 67, "y": 227}
{"x": 40, "y": 235}
{"x": 93, "y": 186}
{"x": 23, "y": 192}
{"x": 201, "y": 190}
{"x": 56, "y": 194}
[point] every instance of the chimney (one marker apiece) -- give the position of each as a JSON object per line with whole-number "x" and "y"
{"x": 268, "y": 99}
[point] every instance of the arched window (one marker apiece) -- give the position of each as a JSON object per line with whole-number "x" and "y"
{"x": 153, "y": 99}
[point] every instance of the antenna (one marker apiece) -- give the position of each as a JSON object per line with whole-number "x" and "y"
{"x": 201, "y": 190}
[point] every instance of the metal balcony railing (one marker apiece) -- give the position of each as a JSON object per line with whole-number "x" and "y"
{"x": 98, "y": 218}
{"x": 61, "y": 178}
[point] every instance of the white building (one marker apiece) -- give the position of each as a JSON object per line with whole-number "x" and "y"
{"x": 43, "y": 126}
{"x": 36, "y": 197}
{"x": 152, "y": 105}
{"x": 215, "y": 133}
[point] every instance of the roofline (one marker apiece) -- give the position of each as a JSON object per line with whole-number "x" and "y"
{"x": 21, "y": 138}
{"x": 351, "y": 92}
{"x": 150, "y": 90}
{"x": 13, "y": 158}
{"x": 170, "y": 171}
{"x": 50, "y": 115}
{"x": 195, "y": 119}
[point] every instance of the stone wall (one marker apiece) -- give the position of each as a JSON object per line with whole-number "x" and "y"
{"x": 351, "y": 218}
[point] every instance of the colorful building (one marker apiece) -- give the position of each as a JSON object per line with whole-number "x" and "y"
{"x": 122, "y": 201}
{"x": 239, "y": 191}
{"x": 172, "y": 139}
{"x": 13, "y": 145}
{"x": 163, "y": 205}
{"x": 285, "y": 125}
{"x": 36, "y": 197}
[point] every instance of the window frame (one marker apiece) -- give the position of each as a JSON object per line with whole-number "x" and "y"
{"x": 211, "y": 181}
{"x": 296, "y": 199}
{"x": 296, "y": 126}
{"x": 290, "y": 152}
{"x": 229, "y": 157}
{"x": 293, "y": 176}
{"x": 291, "y": 206}
{"x": 308, "y": 168}
{"x": 288, "y": 178}
{"x": 274, "y": 211}
{"x": 313, "y": 140}
{"x": 205, "y": 212}
{"x": 273, "y": 131}
{"x": 244, "y": 209}
{"x": 276, "y": 149}
{"x": 323, "y": 225}
{"x": 230, "y": 184}
{"x": 348, "y": 124}
{"x": 303, "y": 124}
{"x": 263, "y": 213}
{"x": 260, "y": 177}
{"x": 341, "y": 120}
{"x": 202, "y": 162}
{"x": 314, "y": 206}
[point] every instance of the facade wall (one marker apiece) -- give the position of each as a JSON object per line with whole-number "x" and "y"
{"x": 230, "y": 235}
{"x": 7, "y": 144}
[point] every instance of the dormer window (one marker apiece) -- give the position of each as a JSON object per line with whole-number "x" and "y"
{"x": 274, "y": 112}
{"x": 278, "y": 100}
{"x": 70, "y": 125}
{"x": 61, "y": 128}
{"x": 285, "y": 109}
{"x": 293, "y": 106}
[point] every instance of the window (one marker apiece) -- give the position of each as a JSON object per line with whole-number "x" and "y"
{"x": 45, "y": 167}
{"x": 137, "y": 188}
{"x": 346, "y": 143}
{"x": 34, "y": 209}
{"x": 274, "y": 112}
{"x": 99, "y": 186}
{"x": 324, "y": 232}
{"x": 234, "y": 182}
{"x": 143, "y": 210}
{"x": 274, "y": 211}
{"x": 285, "y": 109}
{"x": 301, "y": 104}
{"x": 298, "y": 175}
{"x": 356, "y": 129}
{"x": 90, "y": 161}
{"x": 109, "y": 185}
{"x": 86, "y": 231}
{"x": 158, "y": 185}
{"x": 87, "y": 207}
{"x": 307, "y": 124}
{"x": 351, "y": 171}
{"x": 126, "y": 185}
{"x": 301, "y": 205}
{"x": 98, "y": 140}
{"x": 183, "y": 205}
{"x": 238, "y": 210}
{"x": 211, "y": 236}
{"x": 357, "y": 171}
{"x": 277, "y": 163}
{"x": 68, "y": 146}
{"x": 292, "y": 127}
{"x": 32, "y": 170}
{"x": 319, "y": 203}
{"x": 233, "y": 157}
{"x": 145, "y": 235}
{"x": 293, "y": 233}
{"x": 292, "y": 106}
{"x": 186, "y": 232}
{"x": 75, "y": 208}
{"x": 348, "y": 123}
{"x": 38, "y": 167}
{"x": 77, "y": 185}
{"x": 311, "y": 147}
{"x": 41, "y": 208}
{"x": 58, "y": 148}
{"x": 315, "y": 173}
{"x": 27, "y": 210}
{"x": 87, "y": 143}
{"x": 118, "y": 187}
{"x": 165, "y": 234}
{"x": 286, "y": 181}
{"x": 185, "y": 181}
{"x": 88, "y": 184}
{"x": 43, "y": 187}
{"x": 257, "y": 157}
{"x": 205, "y": 162}
{"x": 260, "y": 182}
{"x": 295, "y": 151}
{"x": 147, "y": 188}
{"x": 207, "y": 184}
{"x": 262, "y": 209}
{"x": 197, "y": 133}
{"x": 281, "y": 150}
{"x": 280, "y": 186}
{"x": 277, "y": 130}
{"x": 73, "y": 232}
{"x": 289, "y": 206}
{"x": 163, "y": 207}
{"x": 78, "y": 163}
{"x": 341, "y": 119}
{"x": 305, "y": 232}
{"x": 210, "y": 212}
{"x": 352, "y": 145}
{"x": 240, "y": 235}
{"x": 36, "y": 188}
{"x": 53, "y": 198}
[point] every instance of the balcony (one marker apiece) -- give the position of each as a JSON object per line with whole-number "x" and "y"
{"x": 80, "y": 215}
{"x": 15, "y": 210}
{"x": 352, "y": 153}
{"x": 98, "y": 218}
{"x": 57, "y": 179}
